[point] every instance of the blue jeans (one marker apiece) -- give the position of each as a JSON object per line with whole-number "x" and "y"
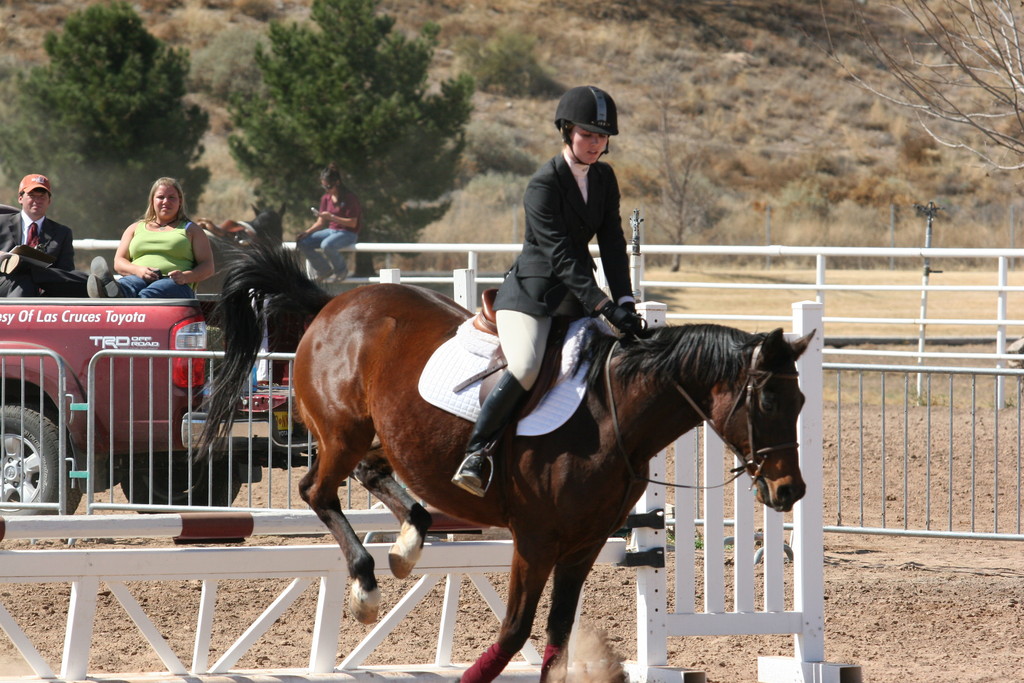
{"x": 164, "y": 288}
{"x": 331, "y": 242}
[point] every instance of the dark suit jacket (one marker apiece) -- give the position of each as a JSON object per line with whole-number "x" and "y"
{"x": 556, "y": 260}
{"x": 60, "y": 279}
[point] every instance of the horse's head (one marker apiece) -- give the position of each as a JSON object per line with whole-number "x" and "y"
{"x": 268, "y": 224}
{"x": 759, "y": 420}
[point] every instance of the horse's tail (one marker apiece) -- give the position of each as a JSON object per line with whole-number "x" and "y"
{"x": 267, "y": 282}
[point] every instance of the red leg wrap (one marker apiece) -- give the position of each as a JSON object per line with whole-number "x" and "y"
{"x": 488, "y": 667}
{"x": 551, "y": 653}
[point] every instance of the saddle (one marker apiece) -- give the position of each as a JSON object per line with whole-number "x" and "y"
{"x": 486, "y": 322}
{"x": 233, "y": 231}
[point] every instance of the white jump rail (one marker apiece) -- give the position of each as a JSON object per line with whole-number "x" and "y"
{"x": 86, "y": 570}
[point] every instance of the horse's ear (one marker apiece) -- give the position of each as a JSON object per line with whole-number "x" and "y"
{"x": 255, "y": 209}
{"x": 800, "y": 345}
{"x": 775, "y": 346}
{"x": 280, "y": 212}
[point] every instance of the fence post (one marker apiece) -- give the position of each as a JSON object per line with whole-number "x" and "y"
{"x": 892, "y": 234}
{"x": 465, "y": 288}
{"x": 809, "y": 559}
{"x": 602, "y": 281}
{"x": 651, "y": 583}
{"x": 391, "y": 276}
{"x": 1001, "y": 328}
{"x": 1013, "y": 232}
{"x": 819, "y": 277}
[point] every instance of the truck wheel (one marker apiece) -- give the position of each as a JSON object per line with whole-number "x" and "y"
{"x": 31, "y": 463}
{"x": 218, "y": 491}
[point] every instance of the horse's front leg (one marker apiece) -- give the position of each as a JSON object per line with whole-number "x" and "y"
{"x": 570, "y": 574}
{"x": 375, "y": 474}
{"x": 319, "y": 488}
{"x": 526, "y": 583}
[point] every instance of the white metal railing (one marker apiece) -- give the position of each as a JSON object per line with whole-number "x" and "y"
{"x": 34, "y": 431}
{"x": 1001, "y": 327}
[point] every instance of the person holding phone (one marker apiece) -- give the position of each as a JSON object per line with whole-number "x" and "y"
{"x": 336, "y": 228}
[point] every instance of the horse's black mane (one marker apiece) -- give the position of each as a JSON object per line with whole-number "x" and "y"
{"x": 708, "y": 354}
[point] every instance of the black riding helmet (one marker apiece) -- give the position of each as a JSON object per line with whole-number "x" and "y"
{"x": 588, "y": 107}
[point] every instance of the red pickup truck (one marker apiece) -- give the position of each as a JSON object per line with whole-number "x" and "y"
{"x": 128, "y": 403}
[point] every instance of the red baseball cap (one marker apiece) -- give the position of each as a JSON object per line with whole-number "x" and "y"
{"x": 34, "y": 181}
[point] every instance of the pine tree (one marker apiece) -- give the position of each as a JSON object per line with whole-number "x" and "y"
{"x": 104, "y": 119}
{"x": 348, "y": 89}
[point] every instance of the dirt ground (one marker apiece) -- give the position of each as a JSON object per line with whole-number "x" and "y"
{"x": 903, "y": 609}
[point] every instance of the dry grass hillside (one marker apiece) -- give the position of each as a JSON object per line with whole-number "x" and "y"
{"x": 740, "y": 94}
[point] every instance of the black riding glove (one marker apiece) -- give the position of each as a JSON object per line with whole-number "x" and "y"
{"x": 629, "y": 306}
{"x": 620, "y": 317}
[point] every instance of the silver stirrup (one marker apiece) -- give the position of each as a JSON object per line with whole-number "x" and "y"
{"x": 470, "y": 483}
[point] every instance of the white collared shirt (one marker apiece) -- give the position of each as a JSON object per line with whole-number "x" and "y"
{"x": 26, "y": 221}
{"x": 579, "y": 172}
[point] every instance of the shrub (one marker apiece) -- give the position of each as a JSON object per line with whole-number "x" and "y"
{"x": 228, "y": 65}
{"x": 506, "y": 65}
{"x": 918, "y": 148}
{"x": 491, "y": 147}
{"x": 261, "y": 10}
{"x": 805, "y": 198}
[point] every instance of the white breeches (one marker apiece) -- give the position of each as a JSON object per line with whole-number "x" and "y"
{"x": 523, "y": 338}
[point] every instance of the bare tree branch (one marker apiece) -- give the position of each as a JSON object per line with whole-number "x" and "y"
{"x": 687, "y": 200}
{"x": 960, "y": 62}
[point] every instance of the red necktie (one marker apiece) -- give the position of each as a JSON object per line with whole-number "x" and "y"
{"x": 33, "y": 235}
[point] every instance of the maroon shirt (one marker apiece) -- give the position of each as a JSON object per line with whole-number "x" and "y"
{"x": 347, "y": 207}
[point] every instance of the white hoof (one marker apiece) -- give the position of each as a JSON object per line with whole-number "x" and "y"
{"x": 364, "y": 607}
{"x": 406, "y": 551}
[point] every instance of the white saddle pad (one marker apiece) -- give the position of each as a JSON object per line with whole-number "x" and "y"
{"x": 468, "y": 352}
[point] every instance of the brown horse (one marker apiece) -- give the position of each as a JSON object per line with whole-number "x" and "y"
{"x": 562, "y": 494}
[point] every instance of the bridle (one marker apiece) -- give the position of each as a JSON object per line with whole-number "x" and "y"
{"x": 750, "y": 392}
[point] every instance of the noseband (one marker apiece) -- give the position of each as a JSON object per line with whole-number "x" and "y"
{"x": 751, "y": 390}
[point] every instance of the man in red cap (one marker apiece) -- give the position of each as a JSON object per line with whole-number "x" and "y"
{"x": 31, "y": 275}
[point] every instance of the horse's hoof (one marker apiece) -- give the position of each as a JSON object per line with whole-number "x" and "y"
{"x": 406, "y": 551}
{"x": 364, "y": 607}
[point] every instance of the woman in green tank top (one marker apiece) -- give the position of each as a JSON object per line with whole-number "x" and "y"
{"x": 162, "y": 255}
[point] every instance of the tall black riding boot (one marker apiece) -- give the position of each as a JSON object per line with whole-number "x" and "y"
{"x": 495, "y": 413}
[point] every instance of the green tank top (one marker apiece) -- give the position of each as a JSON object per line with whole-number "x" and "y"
{"x": 170, "y": 250}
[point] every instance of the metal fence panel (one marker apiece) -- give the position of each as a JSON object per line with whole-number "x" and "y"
{"x": 945, "y": 461}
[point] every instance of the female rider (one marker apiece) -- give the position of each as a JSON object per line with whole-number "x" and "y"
{"x": 570, "y": 199}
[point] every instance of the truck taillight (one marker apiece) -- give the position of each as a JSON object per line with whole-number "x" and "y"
{"x": 189, "y": 372}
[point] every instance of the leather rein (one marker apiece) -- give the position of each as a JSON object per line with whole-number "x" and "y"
{"x": 751, "y": 389}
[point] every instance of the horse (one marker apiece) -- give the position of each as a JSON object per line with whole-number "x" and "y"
{"x": 561, "y": 495}
{"x": 230, "y": 236}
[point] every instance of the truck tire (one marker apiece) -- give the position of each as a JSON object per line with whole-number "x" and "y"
{"x": 30, "y": 466}
{"x": 219, "y": 490}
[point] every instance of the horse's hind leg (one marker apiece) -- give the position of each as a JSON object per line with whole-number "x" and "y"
{"x": 319, "y": 488}
{"x": 376, "y": 475}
